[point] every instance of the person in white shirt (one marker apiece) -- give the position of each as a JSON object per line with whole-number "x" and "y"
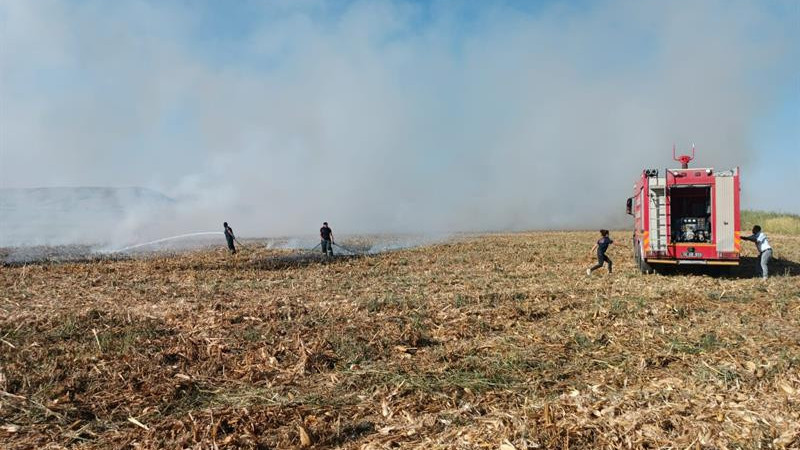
{"x": 764, "y": 249}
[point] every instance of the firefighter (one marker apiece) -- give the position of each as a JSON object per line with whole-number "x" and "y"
{"x": 601, "y": 246}
{"x": 326, "y": 239}
{"x": 229, "y": 237}
{"x": 764, "y": 250}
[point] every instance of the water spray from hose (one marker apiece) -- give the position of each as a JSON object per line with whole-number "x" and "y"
{"x": 171, "y": 238}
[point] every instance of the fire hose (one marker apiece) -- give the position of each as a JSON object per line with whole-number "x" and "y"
{"x": 352, "y": 252}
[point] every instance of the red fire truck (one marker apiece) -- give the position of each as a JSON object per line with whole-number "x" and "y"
{"x": 685, "y": 216}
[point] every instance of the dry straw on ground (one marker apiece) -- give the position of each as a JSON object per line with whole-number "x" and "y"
{"x": 497, "y": 341}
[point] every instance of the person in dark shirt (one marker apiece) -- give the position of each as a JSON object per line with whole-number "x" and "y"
{"x": 326, "y": 236}
{"x": 601, "y": 246}
{"x": 229, "y": 237}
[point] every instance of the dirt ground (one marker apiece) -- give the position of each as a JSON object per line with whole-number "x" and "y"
{"x": 495, "y": 341}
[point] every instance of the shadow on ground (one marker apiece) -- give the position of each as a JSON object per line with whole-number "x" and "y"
{"x": 748, "y": 268}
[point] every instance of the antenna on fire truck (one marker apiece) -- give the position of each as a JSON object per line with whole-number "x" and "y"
{"x": 683, "y": 159}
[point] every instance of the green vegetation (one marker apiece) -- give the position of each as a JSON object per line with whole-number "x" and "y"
{"x": 771, "y": 222}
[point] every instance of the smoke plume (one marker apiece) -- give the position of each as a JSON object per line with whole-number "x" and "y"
{"x": 383, "y": 116}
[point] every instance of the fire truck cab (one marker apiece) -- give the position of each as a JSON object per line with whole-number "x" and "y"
{"x": 685, "y": 216}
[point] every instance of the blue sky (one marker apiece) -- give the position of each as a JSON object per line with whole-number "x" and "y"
{"x": 496, "y": 114}
{"x": 777, "y": 139}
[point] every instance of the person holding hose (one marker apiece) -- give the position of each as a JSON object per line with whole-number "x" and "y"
{"x": 229, "y": 237}
{"x": 764, "y": 250}
{"x": 326, "y": 239}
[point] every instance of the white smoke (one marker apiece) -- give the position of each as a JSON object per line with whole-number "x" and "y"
{"x": 383, "y": 116}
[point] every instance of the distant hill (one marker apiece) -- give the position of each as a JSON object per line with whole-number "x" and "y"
{"x": 74, "y": 215}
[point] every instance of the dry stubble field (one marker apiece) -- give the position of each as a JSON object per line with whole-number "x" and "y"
{"x": 497, "y": 341}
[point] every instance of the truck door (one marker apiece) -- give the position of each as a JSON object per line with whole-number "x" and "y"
{"x": 724, "y": 226}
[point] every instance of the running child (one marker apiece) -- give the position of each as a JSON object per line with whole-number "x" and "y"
{"x": 601, "y": 246}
